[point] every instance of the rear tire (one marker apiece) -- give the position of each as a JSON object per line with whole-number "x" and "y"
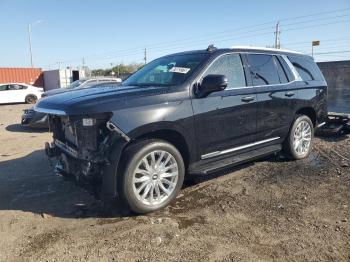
{"x": 31, "y": 99}
{"x": 152, "y": 175}
{"x": 299, "y": 142}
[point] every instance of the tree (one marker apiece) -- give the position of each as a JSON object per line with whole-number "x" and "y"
{"x": 120, "y": 70}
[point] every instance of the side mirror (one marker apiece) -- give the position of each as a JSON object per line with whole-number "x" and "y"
{"x": 212, "y": 83}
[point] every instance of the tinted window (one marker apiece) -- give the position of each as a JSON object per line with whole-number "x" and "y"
{"x": 306, "y": 67}
{"x": 231, "y": 67}
{"x": 15, "y": 87}
{"x": 3, "y": 87}
{"x": 286, "y": 68}
{"x": 263, "y": 69}
{"x": 281, "y": 73}
{"x": 76, "y": 83}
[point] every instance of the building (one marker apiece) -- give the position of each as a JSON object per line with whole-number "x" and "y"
{"x": 337, "y": 75}
{"x": 61, "y": 77}
{"x": 30, "y": 76}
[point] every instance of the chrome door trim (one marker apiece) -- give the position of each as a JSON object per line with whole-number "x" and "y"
{"x": 217, "y": 153}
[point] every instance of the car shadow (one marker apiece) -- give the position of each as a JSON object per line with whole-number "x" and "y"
{"x": 25, "y": 129}
{"x": 29, "y": 184}
{"x": 8, "y": 104}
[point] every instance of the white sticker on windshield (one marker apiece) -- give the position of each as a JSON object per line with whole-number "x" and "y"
{"x": 181, "y": 70}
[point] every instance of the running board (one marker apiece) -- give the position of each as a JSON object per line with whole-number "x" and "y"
{"x": 235, "y": 160}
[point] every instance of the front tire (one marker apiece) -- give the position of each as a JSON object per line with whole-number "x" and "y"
{"x": 31, "y": 99}
{"x": 299, "y": 142}
{"x": 152, "y": 176}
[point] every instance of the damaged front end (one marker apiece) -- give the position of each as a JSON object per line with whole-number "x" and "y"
{"x": 87, "y": 148}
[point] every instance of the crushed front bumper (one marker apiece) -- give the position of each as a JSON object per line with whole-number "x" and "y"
{"x": 102, "y": 164}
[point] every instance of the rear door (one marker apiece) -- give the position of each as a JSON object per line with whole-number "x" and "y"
{"x": 4, "y": 94}
{"x": 226, "y": 120}
{"x": 16, "y": 93}
{"x": 276, "y": 95}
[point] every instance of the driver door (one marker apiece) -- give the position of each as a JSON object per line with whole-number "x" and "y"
{"x": 226, "y": 120}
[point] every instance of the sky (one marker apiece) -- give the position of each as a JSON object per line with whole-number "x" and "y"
{"x": 106, "y": 32}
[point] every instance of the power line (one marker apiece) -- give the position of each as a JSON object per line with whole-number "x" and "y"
{"x": 236, "y": 37}
{"x": 333, "y": 52}
{"x": 236, "y": 29}
{"x": 322, "y": 40}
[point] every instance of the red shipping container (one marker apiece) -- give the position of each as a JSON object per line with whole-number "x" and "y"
{"x": 31, "y": 76}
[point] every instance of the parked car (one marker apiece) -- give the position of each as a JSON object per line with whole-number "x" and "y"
{"x": 188, "y": 113}
{"x": 40, "y": 120}
{"x": 82, "y": 83}
{"x": 19, "y": 93}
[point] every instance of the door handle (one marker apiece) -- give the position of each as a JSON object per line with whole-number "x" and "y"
{"x": 289, "y": 94}
{"x": 247, "y": 99}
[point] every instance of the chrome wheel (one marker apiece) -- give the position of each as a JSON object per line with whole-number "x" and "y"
{"x": 155, "y": 177}
{"x": 302, "y": 138}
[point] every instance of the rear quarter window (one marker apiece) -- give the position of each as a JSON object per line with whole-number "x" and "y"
{"x": 306, "y": 67}
{"x": 286, "y": 68}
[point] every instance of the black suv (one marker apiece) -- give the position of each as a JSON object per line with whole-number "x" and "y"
{"x": 186, "y": 113}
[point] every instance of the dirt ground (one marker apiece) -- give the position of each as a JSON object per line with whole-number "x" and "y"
{"x": 272, "y": 209}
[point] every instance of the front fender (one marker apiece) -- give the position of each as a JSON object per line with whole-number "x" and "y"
{"x": 133, "y": 118}
{"x": 174, "y": 116}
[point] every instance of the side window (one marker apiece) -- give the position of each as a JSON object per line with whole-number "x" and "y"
{"x": 306, "y": 67}
{"x": 230, "y": 66}
{"x": 15, "y": 87}
{"x": 286, "y": 68}
{"x": 281, "y": 73}
{"x": 3, "y": 88}
{"x": 89, "y": 83}
{"x": 263, "y": 69}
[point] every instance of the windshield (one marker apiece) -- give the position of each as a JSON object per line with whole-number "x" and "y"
{"x": 75, "y": 84}
{"x": 166, "y": 71}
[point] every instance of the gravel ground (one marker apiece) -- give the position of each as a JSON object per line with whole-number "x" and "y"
{"x": 272, "y": 209}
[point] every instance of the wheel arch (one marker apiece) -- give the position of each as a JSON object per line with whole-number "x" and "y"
{"x": 310, "y": 112}
{"x": 168, "y": 133}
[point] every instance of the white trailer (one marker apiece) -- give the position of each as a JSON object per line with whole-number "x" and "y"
{"x": 61, "y": 78}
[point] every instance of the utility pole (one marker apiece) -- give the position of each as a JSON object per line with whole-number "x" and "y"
{"x": 277, "y": 36}
{"x": 83, "y": 63}
{"x": 145, "y": 57}
{"x": 30, "y": 40}
{"x": 30, "y": 45}
{"x": 112, "y": 72}
{"x": 314, "y": 43}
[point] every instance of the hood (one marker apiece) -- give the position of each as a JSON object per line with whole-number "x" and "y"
{"x": 56, "y": 91}
{"x": 96, "y": 100}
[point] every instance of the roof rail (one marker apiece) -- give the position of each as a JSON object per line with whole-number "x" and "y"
{"x": 265, "y": 48}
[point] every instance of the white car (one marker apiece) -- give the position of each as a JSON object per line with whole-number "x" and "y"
{"x": 19, "y": 93}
